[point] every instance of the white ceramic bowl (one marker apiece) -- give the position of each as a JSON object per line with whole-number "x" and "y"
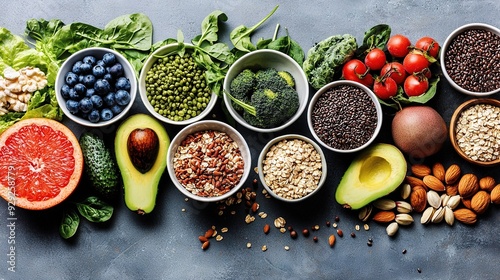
{"x": 98, "y": 52}
{"x": 447, "y": 43}
{"x": 271, "y": 143}
{"x": 203, "y": 126}
{"x": 162, "y": 51}
{"x": 260, "y": 59}
{"x": 325, "y": 89}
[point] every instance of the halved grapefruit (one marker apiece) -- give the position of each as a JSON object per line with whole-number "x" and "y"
{"x": 41, "y": 163}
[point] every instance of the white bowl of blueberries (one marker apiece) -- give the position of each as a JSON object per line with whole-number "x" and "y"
{"x": 96, "y": 86}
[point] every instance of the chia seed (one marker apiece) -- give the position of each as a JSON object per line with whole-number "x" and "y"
{"x": 472, "y": 60}
{"x": 344, "y": 117}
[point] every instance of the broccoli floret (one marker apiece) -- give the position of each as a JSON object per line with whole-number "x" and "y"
{"x": 242, "y": 87}
{"x": 270, "y": 79}
{"x": 287, "y": 77}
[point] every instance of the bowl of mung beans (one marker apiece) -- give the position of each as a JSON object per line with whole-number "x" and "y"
{"x": 208, "y": 161}
{"x": 470, "y": 59}
{"x": 173, "y": 87}
{"x": 475, "y": 131}
{"x": 292, "y": 167}
{"x": 344, "y": 116}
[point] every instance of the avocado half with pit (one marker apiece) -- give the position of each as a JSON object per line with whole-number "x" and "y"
{"x": 375, "y": 172}
{"x": 141, "y": 145}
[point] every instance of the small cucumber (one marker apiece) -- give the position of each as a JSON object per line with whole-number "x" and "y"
{"x": 100, "y": 165}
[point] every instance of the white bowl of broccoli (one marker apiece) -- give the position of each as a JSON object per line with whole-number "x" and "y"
{"x": 266, "y": 91}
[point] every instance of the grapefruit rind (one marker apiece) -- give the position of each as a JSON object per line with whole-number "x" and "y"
{"x": 7, "y": 185}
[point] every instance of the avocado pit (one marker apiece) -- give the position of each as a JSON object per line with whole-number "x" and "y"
{"x": 142, "y": 148}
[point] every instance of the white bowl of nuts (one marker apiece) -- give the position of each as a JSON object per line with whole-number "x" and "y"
{"x": 344, "y": 116}
{"x": 292, "y": 167}
{"x": 474, "y": 131}
{"x": 469, "y": 59}
{"x": 208, "y": 161}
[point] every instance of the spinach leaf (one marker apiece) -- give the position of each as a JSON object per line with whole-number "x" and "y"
{"x": 241, "y": 35}
{"x": 69, "y": 223}
{"x": 95, "y": 210}
{"x": 375, "y": 37}
{"x": 133, "y": 31}
{"x": 401, "y": 99}
{"x": 210, "y": 28}
{"x": 288, "y": 46}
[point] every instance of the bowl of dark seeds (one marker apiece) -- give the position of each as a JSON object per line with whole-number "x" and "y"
{"x": 344, "y": 116}
{"x": 470, "y": 59}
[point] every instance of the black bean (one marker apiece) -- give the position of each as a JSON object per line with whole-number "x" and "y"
{"x": 472, "y": 60}
{"x": 344, "y": 117}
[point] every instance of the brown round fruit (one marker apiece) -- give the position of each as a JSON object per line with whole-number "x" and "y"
{"x": 419, "y": 131}
{"x": 42, "y": 163}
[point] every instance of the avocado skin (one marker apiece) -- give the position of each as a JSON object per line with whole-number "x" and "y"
{"x": 375, "y": 172}
{"x": 140, "y": 189}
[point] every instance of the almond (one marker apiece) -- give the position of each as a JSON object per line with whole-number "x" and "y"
{"x": 438, "y": 171}
{"x": 465, "y": 216}
{"x": 487, "y": 183}
{"x": 480, "y": 202}
{"x": 420, "y": 170}
{"x": 414, "y": 181}
{"x": 468, "y": 185}
{"x": 331, "y": 240}
{"x": 466, "y": 202}
{"x": 418, "y": 199}
{"x": 452, "y": 174}
{"x": 209, "y": 233}
{"x": 495, "y": 194}
{"x": 267, "y": 228}
{"x": 433, "y": 183}
{"x": 452, "y": 190}
{"x": 384, "y": 217}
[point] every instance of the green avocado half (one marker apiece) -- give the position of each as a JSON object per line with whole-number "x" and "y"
{"x": 141, "y": 187}
{"x": 374, "y": 173}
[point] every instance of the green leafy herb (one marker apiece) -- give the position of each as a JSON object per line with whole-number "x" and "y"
{"x": 285, "y": 45}
{"x": 401, "y": 99}
{"x": 375, "y": 37}
{"x": 69, "y": 223}
{"x": 241, "y": 35}
{"x": 95, "y": 210}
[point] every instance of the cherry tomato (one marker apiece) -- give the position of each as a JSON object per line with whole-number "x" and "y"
{"x": 356, "y": 70}
{"x": 398, "y": 72}
{"x": 415, "y": 62}
{"x": 385, "y": 88}
{"x": 416, "y": 85}
{"x": 398, "y": 45}
{"x": 375, "y": 59}
{"x": 428, "y": 45}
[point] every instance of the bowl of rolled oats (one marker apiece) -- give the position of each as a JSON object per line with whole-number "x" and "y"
{"x": 292, "y": 167}
{"x": 475, "y": 131}
{"x": 208, "y": 161}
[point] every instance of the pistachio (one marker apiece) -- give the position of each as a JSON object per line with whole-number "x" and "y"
{"x": 384, "y": 204}
{"x": 453, "y": 202}
{"x": 433, "y": 199}
{"x": 392, "y": 228}
{"x": 405, "y": 191}
{"x": 449, "y": 217}
{"x": 444, "y": 199}
{"x": 427, "y": 215}
{"x": 365, "y": 213}
{"x": 438, "y": 215}
{"x": 404, "y": 219}
{"x": 403, "y": 207}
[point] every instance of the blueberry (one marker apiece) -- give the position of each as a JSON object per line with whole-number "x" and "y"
{"x": 85, "y": 105}
{"x": 71, "y": 78}
{"x": 100, "y": 62}
{"x": 108, "y": 77}
{"x": 96, "y": 101}
{"x": 109, "y": 59}
{"x": 122, "y": 83}
{"x": 89, "y": 81}
{"x": 65, "y": 91}
{"x": 94, "y": 116}
{"x": 85, "y": 68}
{"x": 109, "y": 99}
{"x": 73, "y": 94}
{"x": 81, "y": 78}
{"x": 102, "y": 86}
{"x": 90, "y": 92}
{"x": 76, "y": 67}
{"x": 116, "y": 109}
{"x": 72, "y": 106}
{"x": 80, "y": 89}
{"x": 90, "y": 59}
{"x": 98, "y": 71}
{"x": 106, "y": 114}
{"x": 116, "y": 70}
{"x": 122, "y": 97}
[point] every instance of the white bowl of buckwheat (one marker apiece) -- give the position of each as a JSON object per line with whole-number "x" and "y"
{"x": 292, "y": 167}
